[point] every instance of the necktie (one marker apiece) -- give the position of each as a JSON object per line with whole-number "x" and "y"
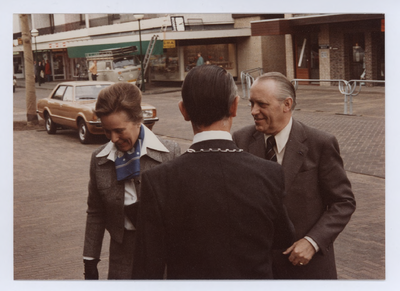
{"x": 128, "y": 165}
{"x": 269, "y": 151}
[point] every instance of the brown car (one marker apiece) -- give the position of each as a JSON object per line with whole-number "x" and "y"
{"x": 71, "y": 105}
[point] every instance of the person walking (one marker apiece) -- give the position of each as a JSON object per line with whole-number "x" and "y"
{"x": 47, "y": 71}
{"x": 93, "y": 70}
{"x": 40, "y": 73}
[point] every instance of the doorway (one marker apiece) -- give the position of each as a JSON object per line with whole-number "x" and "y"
{"x": 307, "y": 57}
{"x": 58, "y": 66}
{"x": 357, "y": 55}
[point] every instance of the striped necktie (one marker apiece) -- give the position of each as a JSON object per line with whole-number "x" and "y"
{"x": 269, "y": 149}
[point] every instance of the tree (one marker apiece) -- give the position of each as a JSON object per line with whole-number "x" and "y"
{"x": 31, "y": 115}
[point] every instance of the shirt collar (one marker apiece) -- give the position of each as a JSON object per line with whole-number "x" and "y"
{"x": 150, "y": 141}
{"x": 282, "y": 137}
{"x": 212, "y": 134}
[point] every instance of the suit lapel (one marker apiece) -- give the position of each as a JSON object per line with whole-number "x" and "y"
{"x": 295, "y": 153}
{"x": 257, "y": 145}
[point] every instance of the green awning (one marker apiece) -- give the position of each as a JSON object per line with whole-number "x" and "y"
{"x": 80, "y": 51}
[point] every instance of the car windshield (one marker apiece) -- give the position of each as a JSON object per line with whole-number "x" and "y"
{"x": 88, "y": 91}
{"x": 128, "y": 61}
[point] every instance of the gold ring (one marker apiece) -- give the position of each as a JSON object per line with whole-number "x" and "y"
{"x": 301, "y": 264}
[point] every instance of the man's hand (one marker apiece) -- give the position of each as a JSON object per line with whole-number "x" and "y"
{"x": 301, "y": 252}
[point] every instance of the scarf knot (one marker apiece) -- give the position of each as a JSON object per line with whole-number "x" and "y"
{"x": 128, "y": 164}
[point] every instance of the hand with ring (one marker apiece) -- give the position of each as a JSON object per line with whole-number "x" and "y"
{"x": 302, "y": 250}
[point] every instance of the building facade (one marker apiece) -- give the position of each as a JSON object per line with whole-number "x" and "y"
{"x": 340, "y": 46}
{"x": 331, "y": 46}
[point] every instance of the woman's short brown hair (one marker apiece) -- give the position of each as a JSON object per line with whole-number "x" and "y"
{"x": 120, "y": 97}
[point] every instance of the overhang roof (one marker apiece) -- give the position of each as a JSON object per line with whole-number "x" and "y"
{"x": 288, "y": 25}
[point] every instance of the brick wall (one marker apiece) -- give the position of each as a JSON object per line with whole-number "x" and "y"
{"x": 337, "y": 54}
{"x": 249, "y": 49}
{"x": 273, "y": 54}
{"x": 324, "y": 55}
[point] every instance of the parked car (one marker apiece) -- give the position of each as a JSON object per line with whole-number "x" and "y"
{"x": 71, "y": 105}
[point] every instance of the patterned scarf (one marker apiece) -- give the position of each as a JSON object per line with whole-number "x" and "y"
{"x": 128, "y": 165}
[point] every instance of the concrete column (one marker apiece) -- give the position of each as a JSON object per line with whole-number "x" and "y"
{"x": 249, "y": 50}
{"x": 87, "y": 20}
{"x": 290, "y": 65}
{"x": 324, "y": 55}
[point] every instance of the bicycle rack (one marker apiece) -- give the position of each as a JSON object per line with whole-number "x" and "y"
{"x": 346, "y": 88}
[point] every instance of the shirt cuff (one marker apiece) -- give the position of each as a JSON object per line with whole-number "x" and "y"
{"x": 313, "y": 243}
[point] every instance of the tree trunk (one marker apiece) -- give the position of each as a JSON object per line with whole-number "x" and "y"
{"x": 31, "y": 115}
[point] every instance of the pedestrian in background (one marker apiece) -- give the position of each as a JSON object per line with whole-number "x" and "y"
{"x": 47, "y": 71}
{"x": 93, "y": 70}
{"x": 215, "y": 212}
{"x": 200, "y": 60}
{"x": 35, "y": 70}
{"x": 40, "y": 70}
{"x": 115, "y": 178}
{"x": 319, "y": 198}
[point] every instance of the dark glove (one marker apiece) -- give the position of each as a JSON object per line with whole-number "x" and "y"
{"x": 91, "y": 272}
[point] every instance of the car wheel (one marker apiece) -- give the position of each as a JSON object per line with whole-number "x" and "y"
{"x": 50, "y": 126}
{"x": 84, "y": 135}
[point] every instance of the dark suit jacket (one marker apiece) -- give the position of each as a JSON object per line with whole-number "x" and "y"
{"x": 106, "y": 196}
{"x": 211, "y": 215}
{"x": 319, "y": 198}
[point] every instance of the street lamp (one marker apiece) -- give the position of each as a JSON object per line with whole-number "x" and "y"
{"x": 139, "y": 17}
{"x": 35, "y": 33}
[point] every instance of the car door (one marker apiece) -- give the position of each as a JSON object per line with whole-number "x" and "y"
{"x": 68, "y": 110}
{"x": 54, "y": 104}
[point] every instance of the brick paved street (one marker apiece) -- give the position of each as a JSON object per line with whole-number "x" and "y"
{"x": 51, "y": 175}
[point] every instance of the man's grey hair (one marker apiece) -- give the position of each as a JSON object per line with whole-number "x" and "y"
{"x": 285, "y": 87}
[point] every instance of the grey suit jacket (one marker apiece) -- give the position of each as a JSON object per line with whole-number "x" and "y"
{"x": 106, "y": 196}
{"x": 319, "y": 198}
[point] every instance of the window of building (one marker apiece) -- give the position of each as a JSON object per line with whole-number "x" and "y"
{"x": 166, "y": 66}
{"x": 17, "y": 65}
{"x": 214, "y": 54}
{"x": 82, "y": 19}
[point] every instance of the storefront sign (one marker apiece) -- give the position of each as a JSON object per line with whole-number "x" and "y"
{"x": 58, "y": 44}
{"x": 169, "y": 44}
{"x": 324, "y": 46}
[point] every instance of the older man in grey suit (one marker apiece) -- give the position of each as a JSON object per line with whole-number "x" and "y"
{"x": 319, "y": 198}
{"x": 115, "y": 178}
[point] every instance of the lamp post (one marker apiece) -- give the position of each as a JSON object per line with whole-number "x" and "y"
{"x": 139, "y": 17}
{"x": 35, "y": 33}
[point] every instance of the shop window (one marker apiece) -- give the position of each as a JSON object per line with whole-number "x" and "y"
{"x": 215, "y": 54}
{"x": 166, "y": 66}
{"x": 17, "y": 65}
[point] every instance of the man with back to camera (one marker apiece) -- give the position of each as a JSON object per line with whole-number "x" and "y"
{"x": 319, "y": 198}
{"x": 211, "y": 213}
